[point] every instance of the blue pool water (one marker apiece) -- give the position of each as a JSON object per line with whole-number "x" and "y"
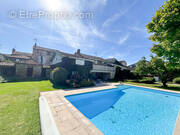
{"x": 129, "y": 110}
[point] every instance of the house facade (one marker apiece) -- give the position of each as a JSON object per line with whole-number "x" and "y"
{"x": 42, "y": 60}
{"x": 19, "y": 64}
{"x": 49, "y": 57}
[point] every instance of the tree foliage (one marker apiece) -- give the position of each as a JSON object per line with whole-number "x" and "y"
{"x": 143, "y": 67}
{"x": 165, "y": 27}
{"x": 156, "y": 67}
{"x": 161, "y": 69}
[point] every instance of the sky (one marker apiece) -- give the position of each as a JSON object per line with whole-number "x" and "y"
{"x": 113, "y": 29}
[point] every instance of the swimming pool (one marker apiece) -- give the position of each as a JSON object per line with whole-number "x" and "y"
{"x": 129, "y": 110}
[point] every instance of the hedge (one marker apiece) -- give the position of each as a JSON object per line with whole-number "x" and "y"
{"x": 176, "y": 80}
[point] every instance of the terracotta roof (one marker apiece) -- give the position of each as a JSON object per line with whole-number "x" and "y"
{"x": 89, "y": 57}
{"x": 81, "y": 55}
{"x": 22, "y": 53}
{"x": 18, "y": 56}
{"x": 31, "y": 62}
{"x": 7, "y": 64}
{"x": 45, "y": 49}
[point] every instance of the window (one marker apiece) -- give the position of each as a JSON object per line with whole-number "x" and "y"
{"x": 80, "y": 62}
{"x": 17, "y": 60}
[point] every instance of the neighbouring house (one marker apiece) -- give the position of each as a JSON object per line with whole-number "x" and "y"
{"x": 42, "y": 60}
{"x": 132, "y": 67}
{"x": 19, "y": 64}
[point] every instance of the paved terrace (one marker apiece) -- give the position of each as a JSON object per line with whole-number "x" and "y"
{"x": 66, "y": 119}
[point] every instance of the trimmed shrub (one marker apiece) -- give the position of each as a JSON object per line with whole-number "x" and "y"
{"x": 2, "y": 79}
{"x": 59, "y": 76}
{"x": 176, "y": 80}
{"x": 86, "y": 83}
{"x": 149, "y": 80}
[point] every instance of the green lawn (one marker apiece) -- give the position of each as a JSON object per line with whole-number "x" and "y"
{"x": 19, "y": 112}
{"x": 171, "y": 86}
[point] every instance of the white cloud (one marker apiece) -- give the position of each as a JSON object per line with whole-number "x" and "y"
{"x": 97, "y": 33}
{"x": 123, "y": 39}
{"x": 138, "y": 29}
{"x": 74, "y": 31}
{"x": 116, "y": 16}
{"x": 119, "y": 56}
{"x": 141, "y": 30}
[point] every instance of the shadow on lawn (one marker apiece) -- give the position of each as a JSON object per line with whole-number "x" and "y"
{"x": 4, "y": 79}
{"x": 176, "y": 88}
{"x": 60, "y": 87}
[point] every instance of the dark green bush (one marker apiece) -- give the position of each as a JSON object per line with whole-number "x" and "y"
{"x": 149, "y": 80}
{"x": 176, "y": 80}
{"x": 59, "y": 76}
{"x": 86, "y": 83}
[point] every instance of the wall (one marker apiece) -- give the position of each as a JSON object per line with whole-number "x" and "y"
{"x": 37, "y": 69}
{"x": 42, "y": 56}
{"x": 21, "y": 70}
{"x": 57, "y": 58}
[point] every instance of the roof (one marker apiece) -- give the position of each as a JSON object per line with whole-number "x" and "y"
{"x": 113, "y": 60}
{"x": 132, "y": 66}
{"x": 89, "y": 57}
{"x": 17, "y": 56}
{"x": 43, "y": 48}
{"x": 81, "y": 55}
{"x": 7, "y": 64}
{"x": 31, "y": 62}
{"x": 22, "y": 53}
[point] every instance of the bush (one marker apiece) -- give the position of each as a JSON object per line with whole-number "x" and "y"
{"x": 2, "y": 79}
{"x": 149, "y": 80}
{"x": 86, "y": 83}
{"x": 59, "y": 76}
{"x": 176, "y": 80}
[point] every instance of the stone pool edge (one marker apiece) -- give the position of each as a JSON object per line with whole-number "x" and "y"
{"x": 67, "y": 118}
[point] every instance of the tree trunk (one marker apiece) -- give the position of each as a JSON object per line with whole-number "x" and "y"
{"x": 164, "y": 84}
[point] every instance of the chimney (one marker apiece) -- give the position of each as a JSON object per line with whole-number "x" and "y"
{"x": 35, "y": 45}
{"x": 13, "y": 51}
{"x": 78, "y": 51}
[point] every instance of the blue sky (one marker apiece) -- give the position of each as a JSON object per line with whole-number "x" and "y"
{"x": 117, "y": 28}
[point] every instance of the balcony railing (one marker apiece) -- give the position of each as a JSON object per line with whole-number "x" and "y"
{"x": 103, "y": 68}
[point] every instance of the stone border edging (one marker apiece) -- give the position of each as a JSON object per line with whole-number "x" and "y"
{"x": 166, "y": 90}
{"x": 48, "y": 125}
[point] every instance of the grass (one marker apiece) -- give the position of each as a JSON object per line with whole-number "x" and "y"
{"x": 19, "y": 109}
{"x": 19, "y": 112}
{"x": 175, "y": 87}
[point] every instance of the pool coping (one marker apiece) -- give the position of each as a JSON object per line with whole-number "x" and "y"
{"x": 67, "y": 118}
{"x": 70, "y": 121}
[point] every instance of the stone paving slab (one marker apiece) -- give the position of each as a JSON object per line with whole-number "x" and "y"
{"x": 69, "y": 120}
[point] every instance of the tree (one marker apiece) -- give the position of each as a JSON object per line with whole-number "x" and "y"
{"x": 156, "y": 67}
{"x": 160, "y": 68}
{"x": 143, "y": 67}
{"x": 166, "y": 32}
